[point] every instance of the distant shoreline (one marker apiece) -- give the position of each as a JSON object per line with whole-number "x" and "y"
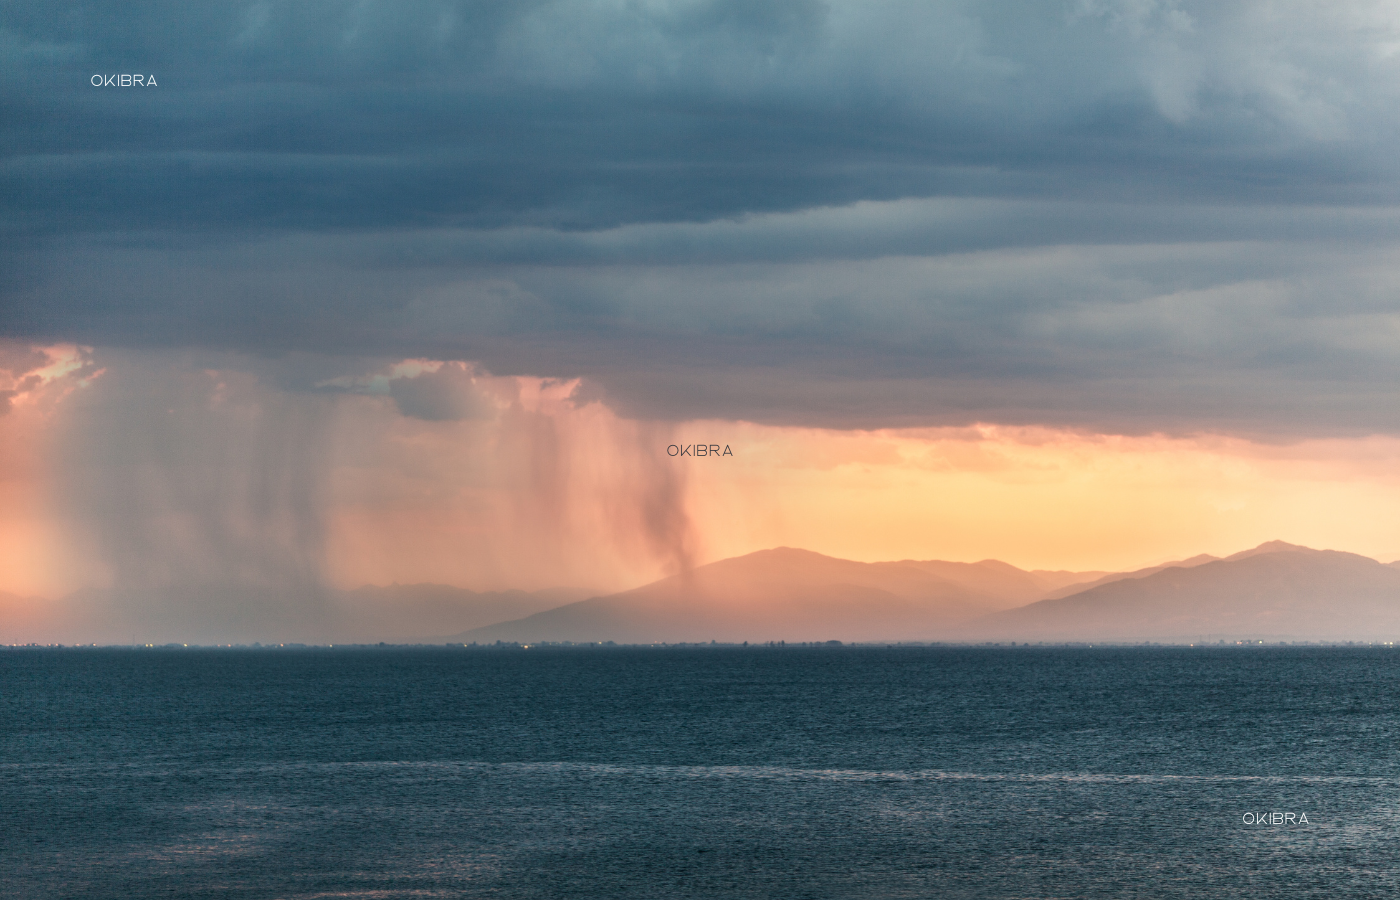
{"x": 818, "y": 645}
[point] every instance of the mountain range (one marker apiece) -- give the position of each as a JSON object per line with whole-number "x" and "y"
{"x": 787, "y": 594}
{"x": 1276, "y": 591}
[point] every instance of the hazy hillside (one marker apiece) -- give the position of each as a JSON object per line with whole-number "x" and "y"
{"x": 1054, "y": 579}
{"x": 1003, "y": 581}
{"x": 414, "y": 612}
{"x": 1110, "y": 577}
{"x": 210, "y": 614}
{"x": 781, "y": 594}
{"x": 1068, "y": 588}
{"x": 1273, "y": 591}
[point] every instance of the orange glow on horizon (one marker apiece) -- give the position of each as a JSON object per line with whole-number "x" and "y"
{"x": 1038, "y": 497}
{"x": 534, "y": 487}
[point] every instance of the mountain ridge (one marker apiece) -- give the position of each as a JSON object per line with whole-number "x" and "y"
{"x": 784, "y": 593}
{"x": 768, "y": 594}
{"x": 1279, "y": 592}
{"x": 1276, "y": 589}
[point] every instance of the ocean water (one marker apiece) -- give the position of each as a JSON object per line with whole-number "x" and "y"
{"x": 707, "y": 772}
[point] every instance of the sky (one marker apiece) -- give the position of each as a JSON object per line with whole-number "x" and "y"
{"x": 367, "y": 292}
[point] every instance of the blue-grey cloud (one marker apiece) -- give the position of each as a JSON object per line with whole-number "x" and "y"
{"x": 579, "y": 115}
{"x": 444, "y": 395}
{"x": 1271, "y": 336}
{"x": 1112, "y": 214}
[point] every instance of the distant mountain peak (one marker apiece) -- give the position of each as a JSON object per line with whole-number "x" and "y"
{"x": 790, "y": 552}
{"x": 1273, "y": 547}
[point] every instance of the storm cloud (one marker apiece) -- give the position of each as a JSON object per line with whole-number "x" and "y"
{"x": 1121, "y": 216}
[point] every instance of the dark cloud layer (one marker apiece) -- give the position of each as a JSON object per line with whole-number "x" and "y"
{"x": 1127, "y": 215}
{"x": 352, "y": 115}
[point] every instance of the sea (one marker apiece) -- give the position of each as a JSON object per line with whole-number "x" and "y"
{"x": 727, "y": 772}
